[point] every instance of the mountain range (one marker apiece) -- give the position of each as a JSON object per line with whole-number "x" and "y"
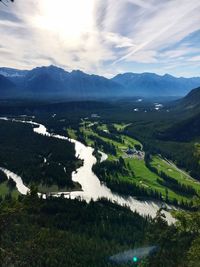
{"x": 151, "y": 84}
{"x": 51, "y": 81}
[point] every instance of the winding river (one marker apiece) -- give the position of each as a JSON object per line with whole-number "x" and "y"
{"x": 91, "y": 186}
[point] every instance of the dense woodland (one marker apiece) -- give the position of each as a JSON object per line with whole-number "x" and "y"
{"x": 37, "y": 159}
{"x": 61, "y": 232}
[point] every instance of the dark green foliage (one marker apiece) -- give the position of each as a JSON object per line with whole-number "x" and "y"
{"x": 105, "y": 146}
{"x": 3, "y": 177}
{"x": 108, "y": 172}
{"x": 97, "y": 154}
{"x": 23, "y": 152}
{"x": 110, "y": 168}
{"x": 11, "y": 184}
{"x": 184, "y": 131}
{"x": 110, "y": 135}
{"x": 176, "y": 186}
{"x": 138, "y": 147}
{"x": 66, "y": 233}
{"x": 36, "y": 232}
{"x": 170, "y": 182}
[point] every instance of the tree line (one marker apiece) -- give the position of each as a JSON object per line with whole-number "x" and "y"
{"x": 64, "y": 232}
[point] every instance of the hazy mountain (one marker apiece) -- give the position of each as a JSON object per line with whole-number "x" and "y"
{"x": 9, "y": 72}
{"x": 7, "y": 88}
{"x": 150, "y": 84}
{"x": 53, "y": 81}
{"x": 56, "y": 82}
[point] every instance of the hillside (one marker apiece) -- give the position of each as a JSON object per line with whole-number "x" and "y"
{"x": 191, "y": 102}
{"x": 188, "y": 126}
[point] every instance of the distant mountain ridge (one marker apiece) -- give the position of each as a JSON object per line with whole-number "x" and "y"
{"x": 151, "y": 84}
{"x": 53, "y": 82}
{"x": 56, "y": 82}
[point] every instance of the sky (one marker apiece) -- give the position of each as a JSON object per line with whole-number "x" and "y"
{"x": 104, "y": 37}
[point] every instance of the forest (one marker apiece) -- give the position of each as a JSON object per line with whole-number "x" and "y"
{"x": 37, "y": 159}
{"x": 81, "y": 234}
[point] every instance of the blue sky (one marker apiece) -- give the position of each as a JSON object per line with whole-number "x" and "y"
{"x": 105, "y": 37}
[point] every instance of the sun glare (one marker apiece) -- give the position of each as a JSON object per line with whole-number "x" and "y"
{"x": 69, "y": 18}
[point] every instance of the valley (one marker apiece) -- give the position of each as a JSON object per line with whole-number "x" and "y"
{"x": 129, "y": 170}
{"x": 88, "y": 159}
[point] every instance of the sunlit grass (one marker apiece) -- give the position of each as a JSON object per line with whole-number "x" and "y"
{"x": 139, "y": 174}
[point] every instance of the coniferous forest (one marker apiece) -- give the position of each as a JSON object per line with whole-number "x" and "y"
{"x": 57, "y": 231}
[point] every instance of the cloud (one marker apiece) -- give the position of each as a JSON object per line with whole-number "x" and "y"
{"x": 195, "y": 59}
{"x": 102, "y": 37}
{"x": 165, "y": 25}
{"x": 141, "y": 3}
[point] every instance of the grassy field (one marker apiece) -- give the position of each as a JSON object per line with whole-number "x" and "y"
{"x": 122, "y": 126}
{"x": 173, "y": 171}
{"x": 138, "y": 171}
{"x": 71, "y": 133}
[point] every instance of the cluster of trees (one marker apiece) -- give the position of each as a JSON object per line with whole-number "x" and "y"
{"x": 176, "y": 186}
{"x": 113, "y": 136}
{"x": 97, "y": 154}
{"x": 11, "y": 184}
{"x": 8, "y": 181}
{"x": 37, "y": 159}
{"x": 110, "y": 169}
{"x": 132, "y": 189}
{"x": 170, "y": 182}
{"x": 58, "y": 231}
{"x": 66, "y": 232}
{"x": 107, "y": 147}
{"x": 3, "y": 177}
{"x": 81, "y": 137}
{"x": 109, "y": 172}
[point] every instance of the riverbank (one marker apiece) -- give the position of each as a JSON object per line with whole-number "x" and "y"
{"x": 91, "y": 186}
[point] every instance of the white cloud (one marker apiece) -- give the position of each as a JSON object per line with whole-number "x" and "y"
{"x": 168, "y": 24}
{"x": 141, "y": 3}
{"x": 150, "y": 56}
{"x": 195, "y": 59}
{"x": 91, "y": 34}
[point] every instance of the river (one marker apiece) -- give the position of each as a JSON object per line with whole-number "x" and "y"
{"x": 91, "y": 185}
